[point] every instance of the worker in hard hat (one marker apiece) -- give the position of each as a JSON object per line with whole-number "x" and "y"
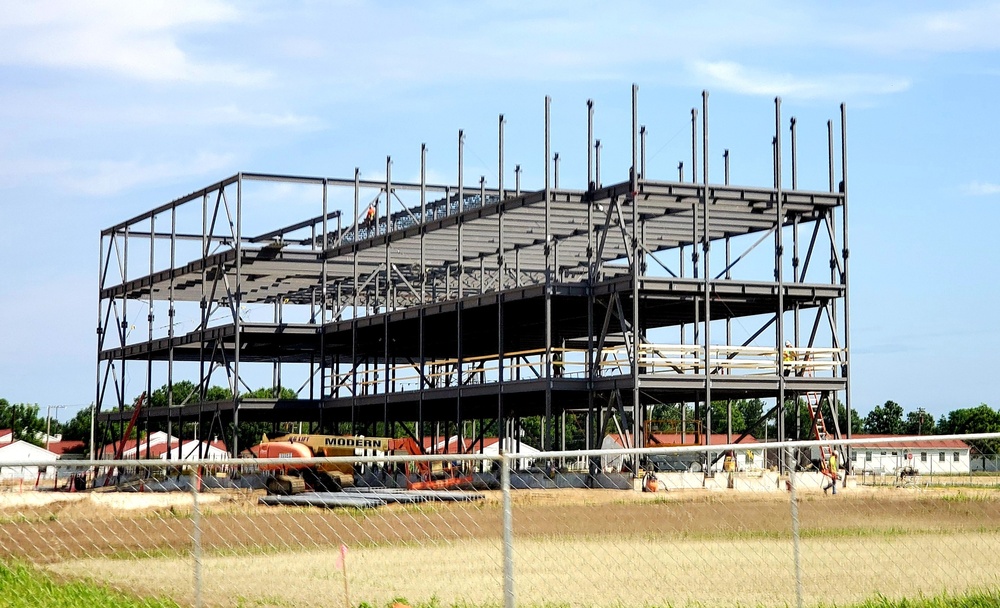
{"x": 370, "y": 215}
{"x": 788, "y": 357}
{"x": 832, "y": 472}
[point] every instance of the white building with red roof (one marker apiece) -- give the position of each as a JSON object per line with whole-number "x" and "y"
{"x": 22, "y": 452}
{"x": 161, "y": 446}
{"x": 927, "y": 454}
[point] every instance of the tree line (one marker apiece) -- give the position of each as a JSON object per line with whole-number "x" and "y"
{"x": 748, "y": 416}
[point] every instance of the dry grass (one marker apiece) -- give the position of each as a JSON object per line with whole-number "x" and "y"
{"x": 583, "y": 572}
{"x": 581, "y": 548}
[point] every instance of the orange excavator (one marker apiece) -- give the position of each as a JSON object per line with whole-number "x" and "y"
{"x": 332, "y": 477}
{"x": 429, "y": 475}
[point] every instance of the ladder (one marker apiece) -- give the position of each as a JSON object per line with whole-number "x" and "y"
{"x": 120, "y": 450}
{"x": 819, "y": 430}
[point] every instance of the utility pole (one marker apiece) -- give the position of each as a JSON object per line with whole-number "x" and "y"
{"x": 48, "y": 410}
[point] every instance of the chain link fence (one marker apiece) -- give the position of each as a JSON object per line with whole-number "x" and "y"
{"x": 746, "y": 525}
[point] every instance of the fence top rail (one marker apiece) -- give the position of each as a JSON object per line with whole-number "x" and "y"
{"x": 738, "y": 447}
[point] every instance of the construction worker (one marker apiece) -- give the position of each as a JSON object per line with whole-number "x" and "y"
{"x": 788, "y": 357}
{"x": 370, "y": 216}
{"x": 832, "y": 472}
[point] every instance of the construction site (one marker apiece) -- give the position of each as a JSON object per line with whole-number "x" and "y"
{"x": 448, "y": 314}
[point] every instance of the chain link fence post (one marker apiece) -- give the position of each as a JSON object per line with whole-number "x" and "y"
{"x": 508, "y": 532}
{"x": 195, "y": 481}
{"x": 791, "y": 463}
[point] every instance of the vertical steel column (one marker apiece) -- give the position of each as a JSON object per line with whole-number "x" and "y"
{"x": 123, "y": 333}
{"x": 482, "y": 259}
{"x": 171, "y": 314}
{"x": 149, "y": 330}
{"x": 846, "y": 281}
{"x": 546, "y": 425}
{"x": 517, "y": 180}
{"x": 833, "y": 267}
{"x": 597, "y": 162}
{"x": 275, "y": 375}
{"x": 591, "y": 190}
{"x": 460, "y": 275}
{"x": 421, "y": 309}
{"x": 779, "y": 270}
{"x": 324, "y": 269}
{"x": 354, "y": 314}
{"x": 96, "y": 407}
{"x": 501, "y": 426}
{"x": 680, "y": 264}
{"x": 501, "y": 284}
{"x": 695, "y": 327}
{"x": 729, "y": 320}
{"x": 795, "y": 266}
{"x": 637, "y": 417}
{"x": 795, "y": 231}
{"x": 239, "y": 302}
{"x": 694, "y": 146}
{"x": 500, "y": 159}
{"x": 590, "y": 143}
{"x": 706, "y": 247}
{"x": 501, "y": 208}
{"x": 832, "y": 218}
{"x": 642, "y": 151}
{"x": 461, "y": 208}
{"x": 203, "y": 380}
{"x": 389, "y": 304}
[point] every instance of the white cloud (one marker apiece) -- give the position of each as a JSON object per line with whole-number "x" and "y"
{"x": 735, "y": 77}
{"x": 977, "y": 188}
{"x": 232, "y": 114}
{"x": 971, "y": 28}
{"x": 134, "y": 39}
{"x": 110, "y": 177}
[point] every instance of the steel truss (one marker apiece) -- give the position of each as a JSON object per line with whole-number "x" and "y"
{"x": 487, "y": 304}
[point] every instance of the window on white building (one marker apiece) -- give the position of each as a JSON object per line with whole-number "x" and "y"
{"x": 954, "y": 456}
{"x": 895, "y": 453}
{"x": 868, "y": 455}
{"x": 940, "y": 456}
{"x": 923, "y": 456}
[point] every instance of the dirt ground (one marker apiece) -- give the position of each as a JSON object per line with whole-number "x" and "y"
{"x": 584, "y": 547}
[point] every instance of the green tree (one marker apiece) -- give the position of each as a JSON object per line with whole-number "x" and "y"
{"x": 185, "y": 392}
{"x": 77, "y": 428}
{"x": 751, "y": 411}
{"x": 218, "y": 393}
{"x": 23, "y": 420}
{"x": 885, "y": 419}
{"x": 979, "y": 419}
{"x": 857, "y": 421}
{"x": 720, "y": 417}
{"x": 801, "y": 410}
{"x": 265, "y": 392}
{"x": 919, "y": 422}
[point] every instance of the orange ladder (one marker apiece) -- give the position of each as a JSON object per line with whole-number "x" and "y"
{"x": 120, "y": 450}
{"x": 819, "y": 431}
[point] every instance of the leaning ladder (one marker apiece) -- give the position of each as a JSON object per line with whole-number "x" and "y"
{"x": 120, "y": 450}
{"x": 820, "y": 433}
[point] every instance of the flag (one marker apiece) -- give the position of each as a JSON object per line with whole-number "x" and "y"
{"x": 342, "y": 558}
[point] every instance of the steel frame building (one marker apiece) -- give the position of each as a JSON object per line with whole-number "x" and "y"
{"x": 492, "y": 304}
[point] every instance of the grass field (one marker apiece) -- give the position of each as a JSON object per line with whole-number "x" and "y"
{"x": 571, "y": 548}
{"x": 24, "y": 586}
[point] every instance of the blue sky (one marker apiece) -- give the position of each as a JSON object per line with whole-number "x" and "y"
{"x": 109, "y": 108}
